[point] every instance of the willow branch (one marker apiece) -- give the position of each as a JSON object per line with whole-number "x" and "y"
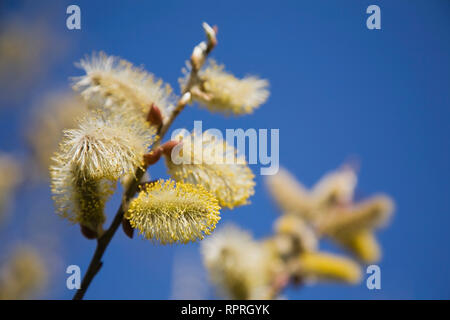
{"x": 198, "y": 57}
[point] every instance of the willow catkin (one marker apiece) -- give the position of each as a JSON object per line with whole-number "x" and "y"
{"x": 111, "y": 82}
{"x": 220, "y": 91}
{"x": 214, "y": 165}
{"x": 169, "y": 211}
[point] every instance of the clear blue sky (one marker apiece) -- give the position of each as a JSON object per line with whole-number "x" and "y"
{"x": 338, "y": 90}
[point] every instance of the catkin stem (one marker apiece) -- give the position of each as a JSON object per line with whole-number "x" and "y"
{"x": 103, "y": 242}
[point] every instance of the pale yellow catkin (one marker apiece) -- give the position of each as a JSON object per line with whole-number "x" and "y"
{"x": 90, "y": 160}
{"x": 220, "y": 91}
{"x": 114, "y": 83}
{"x": 329, "y": 267}
{"x": 239, "y": 266}
{"x": 214, "y": 165}
{"x": 290, "y": 195}
{"x": 363, "y": 244}
{"x": 369, "y": 214}
{"x": 79, "y": 198}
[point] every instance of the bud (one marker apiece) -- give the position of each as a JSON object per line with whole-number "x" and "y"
{"x": 152, "y": 157}
{"x": 198, "y": 55}
{"x": 127, "y": 228}
{"x": 185, "y": 99}
{"x": 168, "y": 146}
{"x": 88, "y": 233}
{"x": 211, "y": 35}
{"x": 154, "y": 116}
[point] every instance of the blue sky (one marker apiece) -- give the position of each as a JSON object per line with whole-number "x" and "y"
{"x": 338, "y": 91}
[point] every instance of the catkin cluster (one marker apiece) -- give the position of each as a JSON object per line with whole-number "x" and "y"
{"x": 127, "y": 109}
{"x": 291, "y": 254}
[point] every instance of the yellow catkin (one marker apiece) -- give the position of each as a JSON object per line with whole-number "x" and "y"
{"x": 90, "y": 160}
{"x": 223, "y": 92}
{"x": 22, "y": 275}
{"x": 111, "y": 82}
{"x": 79, "y": 198}
{"x": 324, "y": 266}
{"x": 293, "y": 226}
{"x": 239, "y": 266}
{"x": 353, "y": 227}
{"x": 231, "y": 182}
{"x": 290, "y": 195}
{"x": 335, "y": 188}
{"x": 369, "y": 214}
{"x": 364, "y": 245}
{"x": 106, "y": 146}
{"x": 170, "y": 212}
